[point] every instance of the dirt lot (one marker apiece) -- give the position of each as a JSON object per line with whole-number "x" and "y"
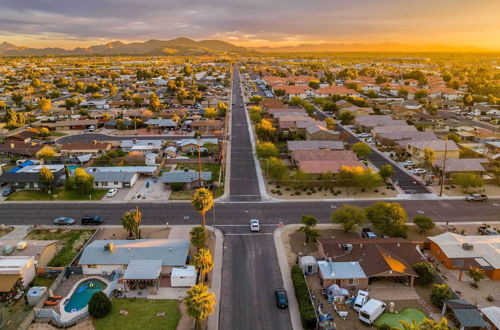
{"x": 488, "y": 189}
{"x": 147, "y": 232}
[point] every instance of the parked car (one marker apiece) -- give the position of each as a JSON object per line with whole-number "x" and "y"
{"x": 64, "y": 221}
{"x": 367, "y": 233}
{"x": 487, "y": 230}
{"x": 111, "y": 192}
{"x": 419, "y": 171}
{"x": 7, "y": 192}
{"x": 281, "y": 298}
{"x": 360, "y": 300}
{"x": 371, "y": 311}
{"x": 91, "y": 220}
{"x": 476, "y": 198}
{"x": 364, "y": 135}
{"x": 408, "y": 163}
{"x": 254, "y": 225}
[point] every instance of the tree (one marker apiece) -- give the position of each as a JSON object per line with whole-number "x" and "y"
{"x": 211, "y": 113}
{"x": 14, "y": 119}
{"x": 44, "y": 132}
{"x": 361, "y": 149}
{"x": 403, "y": 93}
{"x": 346, "y": 118}
{"x": 426, "y": 274}
{"x": 265, "y": 130}
{"x": 276, "y": 169}
{"x": 421, "y": 94}
{"x": 17, "y": 99}
{"x": 439, "y": 294}
{"x": 476, "y": 274}
{"x": 99, "y": 305}
{"x": 468, "y": 99}
{"x": 467, "y": 179}
{"x": 330, "y": 123}
{"x": 256, "y": 98}
{"x": 254, "y": 113}
{"x": 70, "y": 103}
{"x": 388, "y": 218}
{"x": 199, "y": 237}
{"x": 279, "y": 92}
{"x": 426, "y": 324}
{"x": 222, "y": 107}
{"x": 131, "y": 222}
{"x": 314, "y": 84}
{"x": 199, "y": 303}
{"x": 424, "y": 223}
{"x": 83, "y": 181}
{"x": 349, "y": 216}
{"x": 44, "y": 105}
{"x": 429, "y": 157}
{"x": 266, "y": 150}
{"x": 154, "y": 102}
{"x": 454, "y": 137}
{"x": 309, "y": 228}
{"x": 46, "y": 178}
{"x": 46, "y": 153}
{"x": 386, "y": 171}
{"x": 202, "y": 201}
{"x": 203, "y": 262}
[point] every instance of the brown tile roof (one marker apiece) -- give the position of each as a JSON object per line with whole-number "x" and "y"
{"x": 324, "y": 154}
{"x": 326, "y": 166}
{"x": 20, "y": 148}
{"x": 85, "y": 146}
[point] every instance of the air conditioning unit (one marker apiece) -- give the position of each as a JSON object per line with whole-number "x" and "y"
{"x": 347, "y": 247}
{"x": 467, "y": 247}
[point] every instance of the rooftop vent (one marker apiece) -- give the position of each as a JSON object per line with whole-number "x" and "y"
{"x": 347, "y": 247}
{"x": 108, "y": 247}
{"x": 467, "y": 247}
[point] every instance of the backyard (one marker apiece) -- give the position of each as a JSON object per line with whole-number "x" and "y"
{"x": 59, "y": 194}
{"x": 140, "y": 314}
{"x": 69, "y": 243}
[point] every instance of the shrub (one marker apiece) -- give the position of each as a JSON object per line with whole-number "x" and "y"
{"x": 306, "y": 309}
{"x": 177, "y": 186}
{"x": 426, "y": 273}
{"x": 424, "y": 223}
{"x": 99, "y": 305}
{"x": 440, "y": 293}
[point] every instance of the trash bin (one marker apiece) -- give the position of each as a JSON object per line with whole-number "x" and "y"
{"x": 155, "y": 180}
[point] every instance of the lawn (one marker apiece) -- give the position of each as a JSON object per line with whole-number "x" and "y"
{"x": 214, "y": 168}
{"x": 187, "y": 194}
{"x": 54, "y": 133}
{"x": 408, "y": 314}
{"x": 69, "y": 243}
{"x": 43, "y": 281}
{"x": 60, "y": 193}
{"x": 142, "y": 314}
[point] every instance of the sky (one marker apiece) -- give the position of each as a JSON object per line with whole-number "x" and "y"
{"x": 81, "y": 23}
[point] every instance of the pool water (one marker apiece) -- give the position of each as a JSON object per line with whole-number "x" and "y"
{"x": 72, "y": 167}
{"x": 82, "y": 294}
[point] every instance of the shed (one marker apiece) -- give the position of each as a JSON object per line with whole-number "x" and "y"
{"x": 183, "y": 276}
{"x": 34, "y": 294}
{"x": 308, "y": 264}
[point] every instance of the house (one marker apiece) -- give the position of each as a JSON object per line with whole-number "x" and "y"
{"x": 207, "y": 125}
{"x": 461, "y": 252}
{"x": 324, "y": 161}
{"x": 141, "y": 146}
{"x": 165, "y": 124}
{"x": 24, "y": 136}
{"x": 321, "y": 133}
{"x": 416, "y": 149}
{"x": 294, "y": 90}
{"x": 344, "y": 274}
{"x": 189, "y": 178}
{"x": 75, "y": 149}
{"x": 465, "y": 315}
{"x": 94, "y": 104}
{"x": 191, "y": 145}
{"x": 288, "y": 122}
{"x": 367, "y": 123}
{"x": 170, "y": 151}
{"x": 28, "y": 180}
{"x": 377, "y": 258}
{"x": 314, "y": 145}
{"x": 69, "y": 124}
{"x": 393, "y": 129}
{"x": 140, "y": 170}
{"x": 117, "y": 123}
{"x": 471, "y": 165}
{"x": 42, "y": 250}
{"x": 106, "y": 256}
{"x": 335, "y": 90}
{"x": 106, "y": 180}
{"x": 357, "y": 111}
{"x": 20, "y": 149}
{"x": 493, "y": 150}
{"x": 16, "y": 273}
{"x": 270, "y": 102}
{"x": 491, "y": 315}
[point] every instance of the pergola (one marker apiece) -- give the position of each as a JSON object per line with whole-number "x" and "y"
{"x": 142, "y": 273}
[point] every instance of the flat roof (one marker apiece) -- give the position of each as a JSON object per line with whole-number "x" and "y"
{"x": 140, "y": 269}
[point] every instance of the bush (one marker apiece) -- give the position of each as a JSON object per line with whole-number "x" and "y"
{"x": 440, "y": 293}
{"x": 177, "y": 186}
{"x": 424, "y": 223}
{"x": 306, "y": 309}
{"x": 99, "y": 305}
{"x": 426, "y": 273}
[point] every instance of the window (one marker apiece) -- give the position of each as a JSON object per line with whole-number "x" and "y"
{"x": 104, "y": 184}
{"x": 458, "y": 262}
{"x": 353, "y": 281}
{"x": 115, "y": 183}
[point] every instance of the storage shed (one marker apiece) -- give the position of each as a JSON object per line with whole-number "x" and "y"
{"x": 183, "y": 276}
{"x": 308, "y": 264}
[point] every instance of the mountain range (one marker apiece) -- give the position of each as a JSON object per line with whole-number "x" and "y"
{"x": 178, "y": 46}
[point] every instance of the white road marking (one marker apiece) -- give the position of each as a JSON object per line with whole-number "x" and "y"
{"x": 249, "y": 234}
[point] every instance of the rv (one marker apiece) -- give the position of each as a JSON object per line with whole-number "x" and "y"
{"x": 371, "y": 311}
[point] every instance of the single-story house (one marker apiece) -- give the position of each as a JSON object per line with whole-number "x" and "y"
{"x": 207, "y": 125}
{"x": 27, "y": 180}
{"x": 20, "y": 149}
{"x": 191, "y": 145}
{"x": 167, "y": 124}
{"x": 416, "y": 149}
{"x": 114, "y": 179}
{"x": 358, "y": 111}
{"x": 16, "y": 273}
{"x": 474, "y": 165}
{"x": 464, "y": 314}
{"x": 190, "y": 178}
{"x": 74, "y": 149}
{"x": 344, "y": 274}
{"x": 141, "y": 170}
{"x": 321, "y": 133}
{"x": 42, "y": 250}
{"x": 106, "y": 256}
{"x": 314, "y": 145}
{"x": 24, "y": 136}
{"x": 141, "y": 145}
{"x": 69, "y": 124}
{"x": 491, "y": 315}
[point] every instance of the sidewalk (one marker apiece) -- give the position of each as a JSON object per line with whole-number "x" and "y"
{"x": 213, "y": 320}
{"x": 19, "y": 233}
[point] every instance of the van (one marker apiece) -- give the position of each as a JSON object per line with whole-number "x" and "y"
{"x": 371, "y": 311}
{"x": 360, "y": 300}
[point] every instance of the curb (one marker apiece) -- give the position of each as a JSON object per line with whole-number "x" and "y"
{"x": 213, "y": 320}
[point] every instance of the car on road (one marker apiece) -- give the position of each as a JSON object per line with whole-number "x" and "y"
{"x": 254, "y": 225}
{"x": 408, "y": 163}
{"x": 368, "y": 233}
{"x": 7, "y": 192}
{"x": 364, "y": 135}
{"x": 92, "y": 220}
{"x": 476, "y": 198}
{"x": 112, "y": 192}
{"x": 419, "y": 171}
{"x": 487, "y": 230}
{"x": 281, "y": 298}
{"x": 64, "y": 221}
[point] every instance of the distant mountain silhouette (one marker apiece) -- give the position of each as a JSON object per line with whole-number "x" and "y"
{"x": 360, "y": 47}
{"x": 179, "y": 46}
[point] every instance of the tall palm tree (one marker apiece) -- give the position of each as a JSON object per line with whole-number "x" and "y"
{"x": 198, "y": 237}
{"x": 203, "y": 262}
{"x": 199, "y": 303}
{"x": 131, "y": 222}
{"x": 202, "y": 201}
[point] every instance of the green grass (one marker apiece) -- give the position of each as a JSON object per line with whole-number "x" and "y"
{"x": 61, "y": 195}
{"x": 408, "y": 314}
{"x": 54, "y": 133}
{"x": 70, "y": 240}
{"x": 43, "y": 281}
{"x": 214, "y": 168}
{"x": 141, "y": 315}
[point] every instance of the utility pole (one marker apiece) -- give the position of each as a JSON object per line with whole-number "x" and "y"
{"x": 199, "y": 161}
{"x": 443, "y": 170}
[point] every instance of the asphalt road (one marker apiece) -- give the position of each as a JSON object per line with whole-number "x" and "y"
{"x": 89, "y": 137}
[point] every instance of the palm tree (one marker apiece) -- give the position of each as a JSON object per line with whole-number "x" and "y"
{"x": 202, "y": 201}
{"x": 131, "y": 222}
{"x": 203, "y": 262}
{"x": 198, "y": 237}
{"x": 199, "y": 303}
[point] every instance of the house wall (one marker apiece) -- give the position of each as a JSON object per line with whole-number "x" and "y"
{"x": 362, "y": 283}
{"x": 109, "y": 184}
{"x": 322, "y": 136}
{"x": 100, "y": 269}
{"x": 47, "y": 255}
{"x": 28, "y": 272}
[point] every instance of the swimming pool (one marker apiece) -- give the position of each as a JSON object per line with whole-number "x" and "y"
{"x": 82, "y": 294}
{"x": 72, "y": 167}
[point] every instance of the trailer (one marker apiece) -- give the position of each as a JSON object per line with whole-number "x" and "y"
{"x": 340, "y": 307}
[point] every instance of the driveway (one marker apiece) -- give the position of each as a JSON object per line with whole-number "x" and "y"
{"x": 154, "y": 192}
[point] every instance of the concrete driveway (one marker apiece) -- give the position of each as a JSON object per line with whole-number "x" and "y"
{"x": 154, "y": 192}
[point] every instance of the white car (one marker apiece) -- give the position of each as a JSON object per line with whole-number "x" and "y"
{"x": 364, "y": 135}
{"x": 254, "y": 225}
{"x": 408, "y": 163}
{"x": 111, "y": 192}
{"x": 419, "y": 171}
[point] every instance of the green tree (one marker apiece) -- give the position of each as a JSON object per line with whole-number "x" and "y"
{"x": 330, "y": 123}
{"x": 424, "y": 223}
{"x": 17, "y": 99}
{"x": 314, "y": 84}
{"x": 386, "y": 171}
{"x": 476, "y": 274}
{"x": 266, "y": 150}
{"x": 467, "y": 179}
{"x": 46, "y": 178}
{"x": 388, "y": 218}
{"x": 199, "y": 237}
{"x": 426, "y": 324}
{"x": 199, "y": 303}
{"x": 203, "y": 262}
{"x": 222, "y": 107}
{"x": 202, "y": 201}
{"x": 361, "y": 149}
{"x": 265, "y": 130}
{"x": 83, "y": 181}
{"x": 70, "y": 103}
{"x": 439, "y": 294}
{"x": 403, "y": 93}
{"x": 254, "y": 113}
{"x": 99, "y": 305}
{"x": 454, "y": 137}
{"x": 346, "y": 118}
{"x": 349, "y": 216}
{"x": 468, "y": 99}
{"x": 138, "y": 100}
{"x": 256, "y": 99}
{"x": 279, "y": 92}
{"x": 276, "y": 169}
{"x": 426, "y": 274}
{"x": 309, "y": 228}
{"x": 429, "y": 157}
{"x": 154, "y": 102}
{"x": 421, "y": 94}
{"x": 131, "y": 222}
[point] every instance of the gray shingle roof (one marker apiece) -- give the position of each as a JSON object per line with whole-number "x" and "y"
{"x": 112, "y": 176}
{"x": 172, "y": 252}
{"x": 183, "y": 176}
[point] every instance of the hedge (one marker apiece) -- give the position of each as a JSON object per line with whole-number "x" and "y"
{"x": 307, "y": 313}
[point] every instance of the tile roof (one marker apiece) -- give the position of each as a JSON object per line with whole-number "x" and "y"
{"x": 184, "y": 176}
{"x": 314, "y": 145}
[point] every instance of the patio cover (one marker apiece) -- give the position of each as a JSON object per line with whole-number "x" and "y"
{"x": 143, "y": 270}
{"x": 466, "y": 314}
{"x": 7, "y": 281}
